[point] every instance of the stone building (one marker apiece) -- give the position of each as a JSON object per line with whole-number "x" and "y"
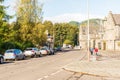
{"x": 111, "y": 37}
{"x": 93, "y": 34}
{"x": 106, "y": 37}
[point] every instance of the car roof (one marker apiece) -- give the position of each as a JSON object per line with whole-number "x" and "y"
{"x": 12, "y": 49}
{"x": 31, "y": 48}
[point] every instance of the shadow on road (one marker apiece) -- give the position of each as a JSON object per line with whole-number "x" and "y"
{"x": 8, "y": 62}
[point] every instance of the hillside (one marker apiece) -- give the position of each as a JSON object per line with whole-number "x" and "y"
{"x": 93, "y": 22}
{"x": 74, "y": 23}
{"x": 95, "y": 25}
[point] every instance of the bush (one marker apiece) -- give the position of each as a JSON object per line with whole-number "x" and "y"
{"x": 68, "y": 42}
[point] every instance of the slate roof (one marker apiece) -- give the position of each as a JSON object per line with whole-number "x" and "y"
{"x": 116, "y": 18}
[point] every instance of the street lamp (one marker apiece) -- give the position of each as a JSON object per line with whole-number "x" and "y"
{"x": 88, "y": 25}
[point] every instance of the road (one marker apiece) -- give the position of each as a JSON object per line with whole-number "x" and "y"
{"x": 46, "y": 68}
{"x": 43, "y": 68}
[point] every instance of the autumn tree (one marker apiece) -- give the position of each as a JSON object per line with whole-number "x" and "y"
{"x": 41, "y": 37}
{"x": 29, "y": 14}
{"x": 49, "y": 26}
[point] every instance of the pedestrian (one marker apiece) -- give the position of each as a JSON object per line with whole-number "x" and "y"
{"x": 91, "y": 50}
{"x": 96, "y": 50}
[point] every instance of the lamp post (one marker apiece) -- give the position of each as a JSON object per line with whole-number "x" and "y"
{"x": 88, "y": 25}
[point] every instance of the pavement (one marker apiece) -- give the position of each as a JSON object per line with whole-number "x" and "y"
{"x": 107, "y": 64}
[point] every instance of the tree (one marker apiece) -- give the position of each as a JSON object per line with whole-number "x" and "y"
{"x": 29, "y": 14}
{"x": 1, "y": 0}
{"x": 4, "y": 29}
{"x": 38, "y": 34}
{"x": 29, "y": 11}
{"x": 49, "y": 26}
{"x": 68, "y": 42}
{"x": 4, "y": 26}
{"x": 65, "y": 31}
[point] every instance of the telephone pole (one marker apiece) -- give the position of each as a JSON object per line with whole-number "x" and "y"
{"x": 88, "y": 25}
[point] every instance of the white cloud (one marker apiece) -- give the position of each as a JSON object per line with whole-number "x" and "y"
{"x": 12, "y": 5}
{"x": 70, "y": 17}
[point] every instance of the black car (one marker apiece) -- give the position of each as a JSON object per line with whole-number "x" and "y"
{"x": 58, "y": 49}
{"x": 1, "y": 59}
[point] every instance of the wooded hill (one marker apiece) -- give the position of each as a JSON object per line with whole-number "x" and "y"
{"x": 95, "y": 24}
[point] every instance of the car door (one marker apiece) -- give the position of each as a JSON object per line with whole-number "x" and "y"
{"x": 16, "y": 54}
{"x": 37, "y": 51}
{"x": 20, "y": 54}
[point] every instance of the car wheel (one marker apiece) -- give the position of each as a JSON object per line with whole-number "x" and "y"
{"x": 24, "y": 57}
{"x": 35, "y": 55}
{"x": 1, "y": 60}
{"x": 53, "y": 53}
{"x": 16, "y": 59}
{"x": 40, "y": 55}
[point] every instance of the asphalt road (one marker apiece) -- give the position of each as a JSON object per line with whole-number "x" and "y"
{"x": 43, "y": 68}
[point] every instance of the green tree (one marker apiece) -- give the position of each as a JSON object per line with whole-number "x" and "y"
{"x": 29, "y": 11}
{"x": 4, "y": 26}
{"x": 38, "y": 34}
{"x": 65, "y": 31}
{"x": 49, "y": 26}
{"x": 29, "y": 14}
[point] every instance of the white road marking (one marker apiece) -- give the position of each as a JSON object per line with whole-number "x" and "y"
{"x": 50, "y": 75}
{"x": 56, "y": 72}
{"x": 46, "y": 76}
{"x": 40, "y": 79}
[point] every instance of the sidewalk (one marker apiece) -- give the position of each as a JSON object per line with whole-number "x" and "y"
{"x": 103, "y": 67}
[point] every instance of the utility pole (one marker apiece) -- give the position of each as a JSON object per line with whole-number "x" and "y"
{"x": 88, "y": 25}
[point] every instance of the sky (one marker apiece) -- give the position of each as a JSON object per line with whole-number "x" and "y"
{"x": 72, "y": 10}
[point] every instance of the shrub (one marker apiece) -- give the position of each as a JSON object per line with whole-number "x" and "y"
{"x": 68, "y": 42}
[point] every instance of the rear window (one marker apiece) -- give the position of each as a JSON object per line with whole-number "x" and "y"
{"x": 43, "y": 48}
{"x": 28, "y": 49}
{"x": 9, "y": 51}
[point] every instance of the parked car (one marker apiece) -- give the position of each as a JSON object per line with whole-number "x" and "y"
{"x": 13, "y": 54}
{"x": 58, "y": 49}
{"x": 52, "y": 52}
{"x": 32, "y": 52}
{"x": 1, "y": 59}
{"x": 44, "y": 51}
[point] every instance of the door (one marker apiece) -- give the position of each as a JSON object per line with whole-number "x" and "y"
{"x": 104, "y": 45}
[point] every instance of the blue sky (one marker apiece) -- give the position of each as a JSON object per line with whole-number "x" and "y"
{"x": 68, "y": 10}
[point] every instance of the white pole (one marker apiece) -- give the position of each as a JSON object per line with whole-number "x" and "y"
{"x": 88, "y": 25}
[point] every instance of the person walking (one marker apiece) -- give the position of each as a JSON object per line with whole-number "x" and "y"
{"x": 91, "y": 51}
{"x": 96, "y": 50}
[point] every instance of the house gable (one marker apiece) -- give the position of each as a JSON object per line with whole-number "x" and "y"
{"x": 116, "y": 18}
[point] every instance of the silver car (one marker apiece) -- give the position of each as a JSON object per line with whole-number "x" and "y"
{"x": 13, "y": 54}
{"x": 44, "y": 51}
{"x": 32, "y": 52}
